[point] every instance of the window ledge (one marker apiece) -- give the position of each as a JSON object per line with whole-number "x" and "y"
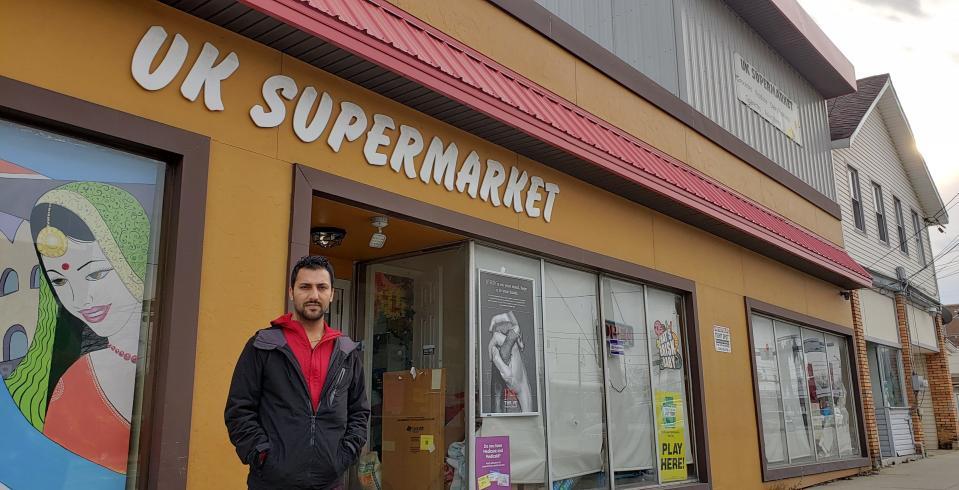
{"x": 772, "y": 474}
{"x": 678, "y": 486}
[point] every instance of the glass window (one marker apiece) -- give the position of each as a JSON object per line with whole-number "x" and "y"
{"x": 770, "y": 391}
{"x": 855, "y": 195}
{"x": 92, "y": 215}
{"x": 806, "y": 390}
{"x": 415, "y": 310}
{"x": 574, "y": 363}
{"x": 844, "y": 403}
{"x": 890, "y": 372}
{"x": 901, "y": 226}
{"x": 917, "y": 233}
{"x": 880, "y": 205}
{"x": 665, "y": 326}
{"x": 610, "y": 352}
{"x": 792, "y": 371}
{"x": 820, "y": 394}
{"x": 628, "y": 384}
{"x": 527, "y": 433}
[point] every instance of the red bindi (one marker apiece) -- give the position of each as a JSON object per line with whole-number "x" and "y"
{"x": 65, "y": 266}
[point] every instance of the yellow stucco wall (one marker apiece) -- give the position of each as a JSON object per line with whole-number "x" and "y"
{"x": 248, "y": 203}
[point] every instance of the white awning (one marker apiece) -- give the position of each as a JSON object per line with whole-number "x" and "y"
{"x": 879, "y": 317}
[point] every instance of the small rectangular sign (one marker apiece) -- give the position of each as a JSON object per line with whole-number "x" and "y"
{"x": 767, "y": 100}
{"x": 492, "y": 463}
{"x": 721, "y": 339}
{"x": 671, "y": 436}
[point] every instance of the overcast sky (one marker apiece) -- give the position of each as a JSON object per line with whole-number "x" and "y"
{"x": 917, "y": 43}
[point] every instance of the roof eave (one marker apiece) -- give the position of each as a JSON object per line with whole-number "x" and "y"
{"x": 872, "y": 106}
{"x": 785, "y": 26}
{"x": 914, "y": 163}
{"x": 841, "y": 143}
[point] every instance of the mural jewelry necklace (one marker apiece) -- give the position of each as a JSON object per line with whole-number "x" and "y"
{"x": 125, "y": 355}
{"x": 51, "y": 242}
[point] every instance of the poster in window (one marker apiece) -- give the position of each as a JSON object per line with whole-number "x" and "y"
{"x": 667, "y": 345}
{"x": 79, "y": 225}
{"x": 671, "y": 435}
{"x": 507, "y": 334}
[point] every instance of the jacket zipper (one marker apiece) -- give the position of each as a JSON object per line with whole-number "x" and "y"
{"x": 309, "y": 402}
{"x": 339, "y": 377}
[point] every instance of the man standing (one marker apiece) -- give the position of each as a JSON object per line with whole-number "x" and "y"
{"x": 297, "y": 411}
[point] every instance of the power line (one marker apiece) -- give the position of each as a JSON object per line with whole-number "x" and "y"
{"x": 934, "y": 258}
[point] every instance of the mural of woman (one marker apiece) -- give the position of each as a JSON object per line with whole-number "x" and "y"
{"x": 93, "y": 243}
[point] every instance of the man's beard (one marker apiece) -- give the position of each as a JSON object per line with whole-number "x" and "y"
{"x": 307, "y": 315}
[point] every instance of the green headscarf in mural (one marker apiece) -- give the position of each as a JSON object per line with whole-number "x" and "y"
{"x": 121, "y": 228}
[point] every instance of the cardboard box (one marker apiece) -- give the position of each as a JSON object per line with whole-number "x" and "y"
{"x": 414, "y": 448}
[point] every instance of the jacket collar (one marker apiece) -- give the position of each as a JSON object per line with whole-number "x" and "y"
{"x": 273, "y": 338}
{"x": 269, "y": 338}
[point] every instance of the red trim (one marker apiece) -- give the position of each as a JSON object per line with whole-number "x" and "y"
{"x": 390, "y": 37}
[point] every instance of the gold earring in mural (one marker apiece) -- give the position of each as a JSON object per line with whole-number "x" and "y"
{"x": 51, "y": 242}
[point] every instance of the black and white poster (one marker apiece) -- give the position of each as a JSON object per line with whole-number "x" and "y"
{"x": 507, "y": 340}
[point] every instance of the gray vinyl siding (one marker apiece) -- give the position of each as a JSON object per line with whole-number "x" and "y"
{"x": 641, "y": 33}
{"x": 688, "y": 47}
{"x": 874, "y": 156}
{"x": 712, "y": 35}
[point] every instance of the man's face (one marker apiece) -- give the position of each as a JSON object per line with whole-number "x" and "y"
{"x": 311, "y": 294}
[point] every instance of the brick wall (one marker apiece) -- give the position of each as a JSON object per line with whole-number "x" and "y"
{"x": 865, "y": 382}
{"x": 943, "y": 399}
{"x": 907, "y": 369}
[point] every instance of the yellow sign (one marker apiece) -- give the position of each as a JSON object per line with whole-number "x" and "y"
{"x": 671, "y": 433}
{"x": 483, "y": 482}
{"x": 426, "y": 443}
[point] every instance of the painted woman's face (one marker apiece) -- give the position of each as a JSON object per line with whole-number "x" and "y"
{"x": 88, "y": 287}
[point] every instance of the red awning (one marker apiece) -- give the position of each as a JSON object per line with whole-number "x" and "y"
{"x": 392, "y": 38}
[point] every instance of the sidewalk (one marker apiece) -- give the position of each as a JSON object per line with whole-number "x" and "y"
{"x": 938, "y": 471}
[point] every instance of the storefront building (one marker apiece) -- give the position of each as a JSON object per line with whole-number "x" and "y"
{"x": 564, "y": 276}
{"x": 889, "y": 201}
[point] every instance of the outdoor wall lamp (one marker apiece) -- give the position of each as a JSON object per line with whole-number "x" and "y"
{"x": 378, "y": 239}
{"x": 327, "y": 236}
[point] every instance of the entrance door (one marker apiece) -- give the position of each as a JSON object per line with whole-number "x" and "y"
{"x": 415, "y": 330}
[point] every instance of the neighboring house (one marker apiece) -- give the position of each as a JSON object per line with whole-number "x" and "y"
{"x": 888, "y": 201}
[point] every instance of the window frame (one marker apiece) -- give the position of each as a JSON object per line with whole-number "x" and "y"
{"x": 879, "y": 206}
{"x": 855, "y": 197}
{"x": 901, "y": 226}
{"x": 754, "y": 306}
{"x": 168, "y": 392}
{"x": 884, "y": 375}
{"x": 917, "y": 229}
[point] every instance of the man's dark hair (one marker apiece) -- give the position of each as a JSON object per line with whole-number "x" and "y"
{"x": 311, "y": 262}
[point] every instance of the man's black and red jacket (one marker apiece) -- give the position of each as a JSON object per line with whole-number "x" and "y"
{"x": 272, "y": 422}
